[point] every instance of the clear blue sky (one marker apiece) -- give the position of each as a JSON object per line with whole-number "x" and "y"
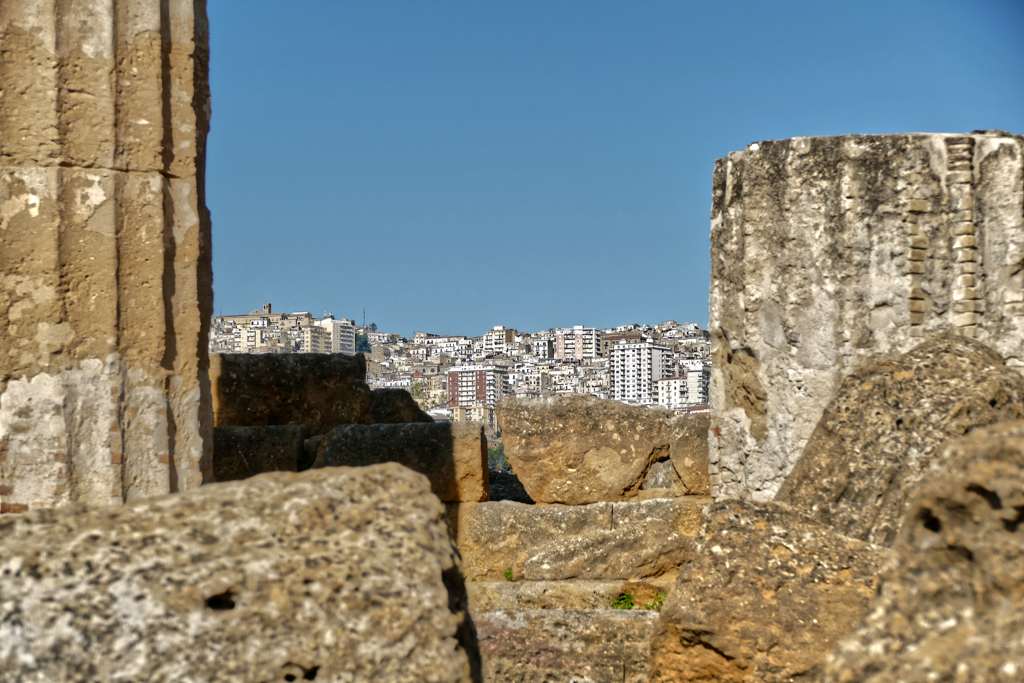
{"x": 451, "y": 166}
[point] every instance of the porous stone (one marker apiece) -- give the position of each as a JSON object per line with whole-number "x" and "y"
{"x": 581, "y": 449}
{"x": 567, "y": 594}
{"x": 768, "y": 593}
{"x": 810, "y": 280}
{"x": 453, "y": 456}
{"x": 885, "y": 428}
{"x": 105, "y": 273}
{"x": 626, "y": 540}
{"x": 243, "y": 452}
{"x": 336, "y": 575}
{"x": 394, "y": 406}
{"x": 949, "y": 608}
{"x": 565, "y": 646}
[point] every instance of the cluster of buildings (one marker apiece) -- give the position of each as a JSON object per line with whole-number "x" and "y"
{"x": 462, "y": 378}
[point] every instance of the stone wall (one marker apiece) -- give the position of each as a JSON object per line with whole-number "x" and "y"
{"x": 105, "y": 279}
{"x": 829, "y": 252}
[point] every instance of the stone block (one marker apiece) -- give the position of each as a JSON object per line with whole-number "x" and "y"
{"x": 967, "y": 267}
{"x": 957, "y": 217}
{"x": 626, "y": 540}
{"x": 962, "y": 203}
{"x": 965, "y": 228}
{"x": 966, "y": 318}
{"x": 960, "y": 293}
{"x": 453, "y": 456}
{"x": 768, "y": 594}
{"x": 1013, "y": 309}
{"x": 243, "y": 452}
{"x": 917, "y": 306}
{"x": 1013, "y": 295}
{"x": 919, "y": 206}
{"x": 917, "y": 319}
{"x": 965, "y": 280}
{"x": 885, "y": 430}
{"x": 974, "y": 305}
{"x": 959, "y": 177}
{"x": 964, "y": 241}
{"x": 592, "y": 646}
{"x": 949, "y": 606}
{"x": 342, "y": 574}
{"x": 917, "y": 293}
{"x": 915, "y": 267}
{"x": 917, "y": 255}
{"x": 570, "y": 594}
{"x": 919, "y": 242}
{"x": 581, "y": 449}
{"x": 966, "y": 255}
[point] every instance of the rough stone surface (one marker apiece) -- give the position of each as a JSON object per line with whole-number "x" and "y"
{"x": 572, "y": 594}
{"x": 453, "y": 456}
{"x": 333, "y": 575}
{"x": 581, "y": 449}
{"x": 884, "y": 431}
{"x": 393, "y": 406}
{"x": 950, "y": 607}
{"x": 768, "y": 594}
{"x": 627, "y": 540}
{"x": 243, "y": 452}
{"x": 565, "y": 646}
{"x": 105, "y": 273}
{"x": 828, "y": 252}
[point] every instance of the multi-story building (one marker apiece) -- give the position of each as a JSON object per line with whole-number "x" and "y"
{"x": 577, "y": 343}
{"x": 470, "y": 385}
{"x": 633, "y": 369}
{"x": 342, "y": 335}
{"x": 315, "y": 339}
{"x": 499, "y": 341}
{"x": 698, "y": 382}
{"x": 670, "y": 392}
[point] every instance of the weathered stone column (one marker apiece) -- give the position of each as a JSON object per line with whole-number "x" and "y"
{"x": 105, "y": 280}
{"x": 827, "y": 252}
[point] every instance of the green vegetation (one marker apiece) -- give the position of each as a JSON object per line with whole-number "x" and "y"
{"x": 496, "y": 460}
{"x": 508, "y": 574}
{"x": 624, "y": 601}
{"x": 362, "y": 344}
{"x": 657, "y": 602}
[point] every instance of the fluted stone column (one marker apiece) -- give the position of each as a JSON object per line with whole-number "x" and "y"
{"x": 105, "y": 279}
{"x": 828, "y": 252}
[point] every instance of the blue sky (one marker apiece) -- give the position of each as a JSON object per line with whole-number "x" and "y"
{"x": 451, "y": 166}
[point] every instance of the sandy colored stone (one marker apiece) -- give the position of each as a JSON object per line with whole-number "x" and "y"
{"x": 767, "y": 595}
{"x": 393, "y": 406}
{"x": 331, "y": 575}
{"x": 576, "y": 594}
{"x": 813, "y": 275}
{"x": 950, "y": 607}
{"x": 885, "y": 430}
{"x": 581, "y": 449}
{"x": 105, "y": 273}
{"x": 626, "y": 540}
{"x": 452, "y": 455}
{"x": 565, "y": 646}
{"x": 243, "y": 452}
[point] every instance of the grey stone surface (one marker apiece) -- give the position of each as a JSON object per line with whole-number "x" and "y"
{"x": 242, "y": 452}
{"x": 950, "y": 607}
{"x": 565, "y": 646}
{"x": 345, "y": 574}
{"x": 829, "y": 252}
{"x": 576, "y": 594}
{"x": 885, "y": 430}
{"x": 625, "y": 540}
{"x": 453, "y": 456}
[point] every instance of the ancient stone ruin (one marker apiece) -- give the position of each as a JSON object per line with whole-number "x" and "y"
{"x": 830, "y": 252}
{"x": 867, "y": 310}
{"x": 105, "y": 280}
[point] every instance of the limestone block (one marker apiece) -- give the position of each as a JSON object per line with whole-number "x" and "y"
{"x": 243, "y": 452}
{"x": 949, "y": 608}
{"x": 626, "y": 540}
{"x": 885, "y": 430}
{"x": 580, "y": 449}
{"x": 394, "y": 406}
{"x": 105, "y": 280}
{"x": 816, "y": 239}
{"x": 336, "y": 575}
{"x": 570, "y": 594}
{"x": 767, "y": 595}
{"x": 453, "y": 456}
{"x": 596, "y": 646}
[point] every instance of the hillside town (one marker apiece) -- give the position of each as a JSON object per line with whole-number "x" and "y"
{"x": 459, "y": 378}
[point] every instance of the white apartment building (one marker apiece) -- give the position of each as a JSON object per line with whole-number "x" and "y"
{"x": 698, "y": 383}
{"x": 500, "y": 341}
{"x": 671, "y": 392}
{"x": 634, "y": 368}
{"x": 342, "y": 335}
{"x": 577, "y": 343}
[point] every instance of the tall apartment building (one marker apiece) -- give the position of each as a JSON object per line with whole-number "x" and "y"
{"x": 342, "y": 335}
{"x": 499, "y": 341}
{"x": 671, "y": 392}
{"x": 577, "y": 343}
{"x": 470, "y": 385}
{"x": 634, "y": 368}
{"x": 315, "y": 339}
{"x": 698, "y": 383}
